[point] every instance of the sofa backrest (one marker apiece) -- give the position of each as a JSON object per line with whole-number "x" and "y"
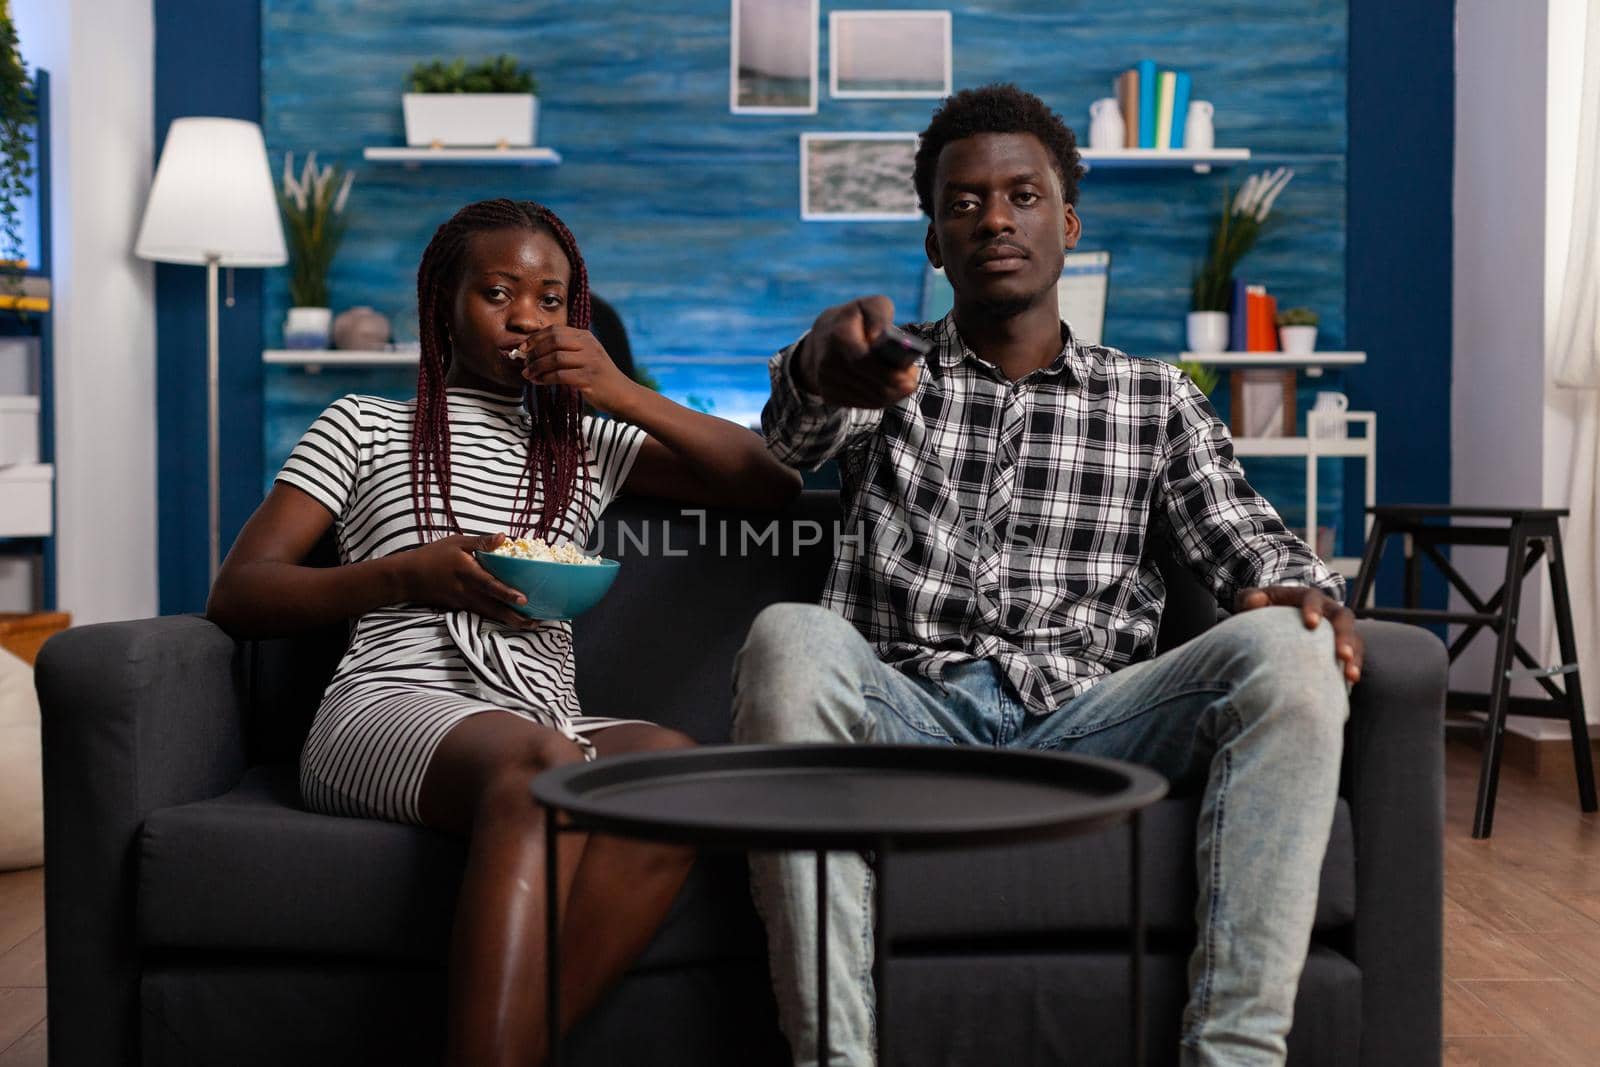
{"x": 661, "y": 645}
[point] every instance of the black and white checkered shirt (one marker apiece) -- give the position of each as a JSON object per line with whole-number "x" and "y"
{"x": 1008, "y": 520}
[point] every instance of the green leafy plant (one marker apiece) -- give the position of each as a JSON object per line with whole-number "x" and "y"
{"x": 313, "y": 218}
{"x": 498, "y": 75}
{"x": 1233, "y": 235}
{"x": 19, "y": 108}
{"x": 1204, "y": 377}
{"x": 1297, "y": 317}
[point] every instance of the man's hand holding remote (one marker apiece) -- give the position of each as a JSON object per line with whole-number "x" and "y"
{"x": 836, "y": 360}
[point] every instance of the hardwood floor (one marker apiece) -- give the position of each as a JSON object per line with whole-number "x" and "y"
{"x": 1521, "y": 944}
{"x": 22, "y": 969}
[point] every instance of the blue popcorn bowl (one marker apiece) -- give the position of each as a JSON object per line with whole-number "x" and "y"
{"x": 554, "y": 590}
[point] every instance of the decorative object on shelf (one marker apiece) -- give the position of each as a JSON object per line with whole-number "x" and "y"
{"x": 1233, "y": 235}
{"x": 1297, "y": 330}
{"x": 1204, "y": 378}
{"x": 361, "y": 328}
{"x": 1199, "y": 133}
{"x": 454, "y": 105}
{"x": 313, "y": 210}
{"x": 889, "y": 54}
{"x": 772, "y": 57}
{"x": 212, "y": 203}
{"x": 1106, "y": 128}
{"x": 18, "y": 112}
{"x": 1261, "y": 403}
{"x": 1325, "y": 421}
{"x": 1207, "y": 331}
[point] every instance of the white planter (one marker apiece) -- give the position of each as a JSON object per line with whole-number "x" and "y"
{"x": 19, "y": 430}
{"x": 307, "y": 327}
{"x": 1208, "y": 331}
{"x": 1298, "y": 340}
{"x": 468, "y": 120}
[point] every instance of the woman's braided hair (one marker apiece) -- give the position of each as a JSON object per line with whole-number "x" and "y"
{"x": 556, "y": 456}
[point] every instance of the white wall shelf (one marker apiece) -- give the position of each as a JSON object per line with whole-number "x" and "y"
{"x": 1312, "y": 363}
{"x": 488, "y": 156}
{"x": 1200, "y": 159}
{"x": 314, "y": 359}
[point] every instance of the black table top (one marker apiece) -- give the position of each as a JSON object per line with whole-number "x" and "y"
{"x": 847, "y": 796}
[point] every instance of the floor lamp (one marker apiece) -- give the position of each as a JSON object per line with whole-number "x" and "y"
{"x": 213, "y": 203}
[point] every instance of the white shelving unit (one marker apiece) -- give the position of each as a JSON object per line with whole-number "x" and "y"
{"x": 1201, "y": 160}
{"x": 1312, "y": 364}
{"x": 416, "y": 157}
{"x": 1312, "y": 449}
{"x": 314, "y": 359}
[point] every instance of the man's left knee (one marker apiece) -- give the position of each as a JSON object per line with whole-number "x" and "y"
{"x": 1296, "y": 664}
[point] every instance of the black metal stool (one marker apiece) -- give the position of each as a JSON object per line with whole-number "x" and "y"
{"x": 1530, "y": 534}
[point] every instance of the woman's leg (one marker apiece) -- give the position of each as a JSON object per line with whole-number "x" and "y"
{"x": 622, "y": 891}
{"x": 477, "y": 786}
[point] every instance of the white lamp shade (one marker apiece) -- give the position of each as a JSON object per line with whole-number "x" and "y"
{"x": 213, "y": 198}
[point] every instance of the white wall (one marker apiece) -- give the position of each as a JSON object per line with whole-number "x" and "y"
{"x": 1518, "y": 80}
{"x": 101, "y": 62}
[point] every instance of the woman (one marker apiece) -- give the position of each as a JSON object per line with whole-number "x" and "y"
{"x": 448, "y": 701}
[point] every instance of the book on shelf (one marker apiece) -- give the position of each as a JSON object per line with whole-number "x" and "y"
{"x": 1180, "y": 106}
{"x": 1147, "y": 103}
{"x": 1128, "y": 103}
{"x": 1166, "y": 82}
{"x": 1238, "y": 317}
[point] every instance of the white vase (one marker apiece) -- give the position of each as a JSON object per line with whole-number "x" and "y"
{"x": 468, "y": 120}
{"x": 1297, "y": 340}
{"x": 1208, "y": 331}
{"x": 307, "y": 327}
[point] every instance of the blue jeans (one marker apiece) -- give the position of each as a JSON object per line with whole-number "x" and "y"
{"x": 1250, "y": 714}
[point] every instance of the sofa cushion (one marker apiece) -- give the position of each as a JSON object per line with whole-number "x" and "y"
{"x": 252, "y": 870}
{"x": 1080, "y": 885}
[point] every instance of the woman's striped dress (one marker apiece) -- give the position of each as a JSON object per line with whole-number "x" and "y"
{"x": 411, "y": 673}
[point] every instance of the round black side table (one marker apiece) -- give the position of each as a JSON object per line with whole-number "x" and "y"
{"x": 877, "y": 798}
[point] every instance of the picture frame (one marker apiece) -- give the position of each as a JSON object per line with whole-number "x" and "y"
{"x": 858, "y": 177}
{"x": 889, "y": 55}
{"x": 1261, "y": 403}
{"x": 772, "y": 57}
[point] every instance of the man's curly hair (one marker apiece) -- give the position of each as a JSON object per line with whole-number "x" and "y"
{"x": 1001, "y": 108}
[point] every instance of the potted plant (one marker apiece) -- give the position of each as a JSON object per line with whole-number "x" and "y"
{"x": 313, "y": 225}
{"x": 1204, "y": 377}
{"x": 1297, "y": 331}
{"x": 1233, "y": 235}
{"x": 454, "y": 105}
{"x": 18, "y": 110}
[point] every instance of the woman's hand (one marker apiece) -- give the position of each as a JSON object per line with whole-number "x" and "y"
{"x": 562, "y": 355}
{"x": 444, "y": 575}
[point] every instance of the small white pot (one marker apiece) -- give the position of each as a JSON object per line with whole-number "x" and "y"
{"x": 1297, "y": 340}
{"x": 471, "y": 120}
{"x": 307, "y": 327}
{"x": 1208, "y": 331}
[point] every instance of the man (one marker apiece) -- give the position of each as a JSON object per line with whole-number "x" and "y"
{"x": 1004, "y": 488}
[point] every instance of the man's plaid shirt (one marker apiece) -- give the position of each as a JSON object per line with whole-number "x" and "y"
{"x": 1009, "y": 520}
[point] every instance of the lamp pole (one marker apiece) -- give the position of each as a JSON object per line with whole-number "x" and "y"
{"x": 213, "y": 420}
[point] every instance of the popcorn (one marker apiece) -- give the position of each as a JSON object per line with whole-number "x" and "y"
{"x": 537, "y": 548}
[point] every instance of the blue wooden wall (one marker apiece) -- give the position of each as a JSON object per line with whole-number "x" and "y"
{"x": 689, "y": 215}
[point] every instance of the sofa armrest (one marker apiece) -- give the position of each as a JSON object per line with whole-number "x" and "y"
{"x": 1394, "y": 779}
{"x": 135, "y": 716}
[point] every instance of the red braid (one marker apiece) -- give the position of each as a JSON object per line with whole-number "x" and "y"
{"x": 557, "y": 459}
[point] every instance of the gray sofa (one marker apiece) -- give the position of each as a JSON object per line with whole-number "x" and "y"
{"x": 198, "y": 915}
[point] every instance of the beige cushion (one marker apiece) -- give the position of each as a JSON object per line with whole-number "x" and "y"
{"x": 21, "y": 789}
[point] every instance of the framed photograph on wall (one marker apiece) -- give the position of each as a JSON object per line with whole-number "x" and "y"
{"x": 889, "y": 54}
{"x": 858, "y": 177}
{"x": 772, "y": 57}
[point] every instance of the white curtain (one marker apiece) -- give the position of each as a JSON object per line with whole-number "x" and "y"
{"x": 1578, "y": 368}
